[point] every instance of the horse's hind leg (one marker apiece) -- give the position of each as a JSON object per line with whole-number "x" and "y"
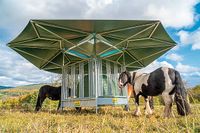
{"x": 168, "y": 100}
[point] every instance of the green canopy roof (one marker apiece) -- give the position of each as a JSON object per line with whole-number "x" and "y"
{"x": 50, "y": 44}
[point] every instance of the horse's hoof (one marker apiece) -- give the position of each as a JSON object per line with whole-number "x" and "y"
{"x": 148, "y": 112}
{"x": 59, "y": 111}
{"x": 36, "y": 111}
{"x": 166, "y": 116}
{"x": 137, "y": 113}
{"x": 78, "y": 109}
{"x": 126, "y": 108}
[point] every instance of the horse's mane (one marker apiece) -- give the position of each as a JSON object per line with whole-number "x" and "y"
{"x": 129, "y": 75}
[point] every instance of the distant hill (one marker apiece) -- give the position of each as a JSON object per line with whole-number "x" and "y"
{"x": 19, "y": 90}
{"x": 26, "y": 87}
{"x": 29, "y": 87}
{"x": 5, "y": 87}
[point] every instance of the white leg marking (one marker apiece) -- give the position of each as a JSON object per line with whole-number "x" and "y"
{"x": 137, "y": 111}
{"x": 148, "y": 110}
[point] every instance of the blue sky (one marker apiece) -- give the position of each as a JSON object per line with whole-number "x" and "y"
{"x": 181, "y": 19}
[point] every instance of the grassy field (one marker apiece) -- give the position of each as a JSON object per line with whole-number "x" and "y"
{"x": 109, "y": 119}
{"x": 17, "y": 115}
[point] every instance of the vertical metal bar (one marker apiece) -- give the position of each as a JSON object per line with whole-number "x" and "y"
{"x": 104, "y": 77}
{"x": 81, "y": 79}
{"x": 89, "y": 78}
{"x": 64, "y": 84}
{"x": 76, "y": 81}
{"x": 115, "y": 77}
{"x": 112, "y": 85}
{"x": 100, "y": 78}
{"x": 108, "y": 72}
{"x": 73, "y": 81}
{"x": 66, "y": 69}
{"x": 96, "y": 74}
{"x": 90, "y": 71}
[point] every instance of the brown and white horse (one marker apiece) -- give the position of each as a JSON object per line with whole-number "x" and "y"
{"x": 163, "y": 81}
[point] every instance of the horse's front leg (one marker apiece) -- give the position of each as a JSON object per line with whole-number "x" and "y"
{"x": 40, "y": 100}
{"x": 137, "y": 111}
{"x": 148, "y": 110}
{"x": 151, "y": 102}
{"x": 130, "y": 92}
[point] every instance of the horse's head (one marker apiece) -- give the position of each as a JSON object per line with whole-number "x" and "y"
{"x": 124, "y": 78}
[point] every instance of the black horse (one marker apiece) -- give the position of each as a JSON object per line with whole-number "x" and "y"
{"x": 164, "y": 81}
{"x": 47, "y": 91}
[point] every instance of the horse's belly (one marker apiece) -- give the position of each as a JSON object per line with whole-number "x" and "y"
{"x": 54, "y": 98}
{"x": 152, "y": 91}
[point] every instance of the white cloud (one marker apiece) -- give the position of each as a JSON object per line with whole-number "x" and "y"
{"x": 96, "y": 6}
{"x": 174, "y": 57}
{"x": 14, "y": 70}
{"x": 186, "y": 68}
{"x": 189, "y": 73}
{"x": 179, "y": 13}
{"x": 184, "y": 37}
{"x": 190, "y": 38}
{"x": 193, "y": 74}
{"x": 154, "y": 65}
{"x": 15, "y": 15}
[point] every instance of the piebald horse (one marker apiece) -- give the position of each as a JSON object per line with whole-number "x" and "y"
{"x": 163, "y": 81}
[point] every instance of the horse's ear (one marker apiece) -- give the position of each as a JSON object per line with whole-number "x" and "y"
{"x": 127, "y": 72}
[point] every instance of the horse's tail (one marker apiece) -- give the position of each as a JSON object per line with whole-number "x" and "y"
{"x": 183, "y": 106}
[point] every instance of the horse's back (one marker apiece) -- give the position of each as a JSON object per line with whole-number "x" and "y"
{"x": 51, "y": 92}
{"x": 163, "y": 73}
{"x": 157, "y": 81}
{"x": 44, "y": 88}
